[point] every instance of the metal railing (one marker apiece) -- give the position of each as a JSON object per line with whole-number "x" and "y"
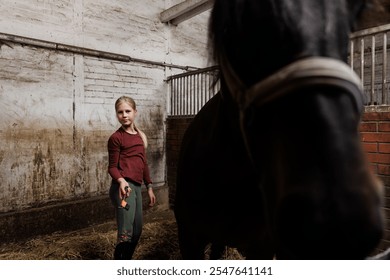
{"x": 190, "y": 91}
{"x": 368, "y": 57}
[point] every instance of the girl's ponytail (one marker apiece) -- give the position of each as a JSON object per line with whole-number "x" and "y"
{"x": 143, "y": 136}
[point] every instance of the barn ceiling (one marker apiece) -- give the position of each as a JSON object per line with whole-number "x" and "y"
{"x": 185, "y": 10}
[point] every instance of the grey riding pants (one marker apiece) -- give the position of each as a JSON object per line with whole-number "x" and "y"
{"x": 129, "y": 221}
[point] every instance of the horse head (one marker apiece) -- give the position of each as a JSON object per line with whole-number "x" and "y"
{"x": 260, "y": 37}
{"x": 283, "y": 64}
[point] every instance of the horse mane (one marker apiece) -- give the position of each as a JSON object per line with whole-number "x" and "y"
{"x": 293, "y": 29}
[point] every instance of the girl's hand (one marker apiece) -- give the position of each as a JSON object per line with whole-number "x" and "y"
{"x": 152, "y": 197}
{"x": 124, "y": 189}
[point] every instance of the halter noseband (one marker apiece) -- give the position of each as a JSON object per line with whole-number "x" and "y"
{"x": 302, "y": 73}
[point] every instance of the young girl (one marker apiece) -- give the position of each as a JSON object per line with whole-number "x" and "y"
{"x": 128, "y": 168}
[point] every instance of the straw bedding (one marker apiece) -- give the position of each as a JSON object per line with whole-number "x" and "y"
{"x": 158, "y": 242}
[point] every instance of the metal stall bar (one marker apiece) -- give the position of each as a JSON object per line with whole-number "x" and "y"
{"x": 173, "y": 97}
{"x": 351, "y": 54}
{"x": 373, "y": 64}
{"x": 384, "y": 69}
{"x": 362, "y": 60}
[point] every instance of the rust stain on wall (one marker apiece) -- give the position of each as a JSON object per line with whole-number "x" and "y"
{"x": 2, "y": 153}
{"x": 39, "y": 174}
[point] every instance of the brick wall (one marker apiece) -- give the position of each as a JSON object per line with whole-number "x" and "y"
{"x": 375, "y": 133}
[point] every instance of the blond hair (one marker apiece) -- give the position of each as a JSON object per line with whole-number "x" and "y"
{"x": 131, "y": 102}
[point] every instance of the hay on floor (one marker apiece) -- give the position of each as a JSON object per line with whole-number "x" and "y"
{"x": 158, "y": 242}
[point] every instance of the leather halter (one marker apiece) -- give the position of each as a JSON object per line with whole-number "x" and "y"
{"x": 305, "y": 72}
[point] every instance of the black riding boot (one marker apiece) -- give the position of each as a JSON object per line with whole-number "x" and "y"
{"x": 217, "y": 251}
{"x": 124, "y": 251}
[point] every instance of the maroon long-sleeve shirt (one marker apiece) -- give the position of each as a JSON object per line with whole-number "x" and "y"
{"x": 127, "y": 158}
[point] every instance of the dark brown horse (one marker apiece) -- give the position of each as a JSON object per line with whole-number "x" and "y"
{"x": 273, "y": 164}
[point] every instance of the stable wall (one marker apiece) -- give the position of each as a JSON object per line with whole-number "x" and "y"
{"x": 63, "y": 63}
{"x": 57, "y": 112}
{"x": 129, "y": 27}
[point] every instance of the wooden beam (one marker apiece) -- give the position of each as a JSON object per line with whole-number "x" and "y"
{"x": 185, "y": 10}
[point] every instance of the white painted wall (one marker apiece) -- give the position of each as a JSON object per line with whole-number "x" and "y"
{"x": 56, "y": 107}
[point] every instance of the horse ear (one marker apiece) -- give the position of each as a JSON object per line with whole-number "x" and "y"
{"x": 362, "y": 12}
{"x": 356, "y": 9}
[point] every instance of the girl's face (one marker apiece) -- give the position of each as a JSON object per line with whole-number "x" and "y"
{"x": 125, "y": 114}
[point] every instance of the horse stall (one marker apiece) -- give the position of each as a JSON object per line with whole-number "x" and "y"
{"x": 369, "y": 51}
{"x": 368, "y": 58}
{"x": 63, "y": 64}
